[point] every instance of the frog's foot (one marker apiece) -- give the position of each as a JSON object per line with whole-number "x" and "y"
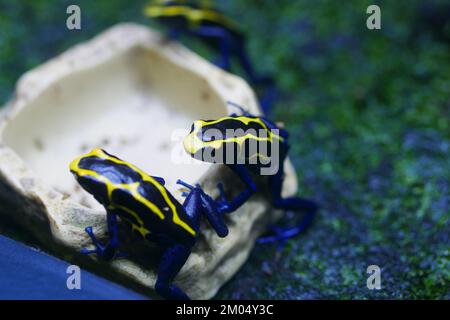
{"x": 190, "y": 187}
{"x": 196, "y": 188}
{"x": 185, "y": 184}
{"x": 104, "y": 252}
{"x": 281, "y": 235}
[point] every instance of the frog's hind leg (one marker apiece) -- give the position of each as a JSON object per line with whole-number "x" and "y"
{"x": 224, "y": 38}
{"x": 173, "y": 260}
{"x": 267, "y": 90}
{"x": 292, "y": 203}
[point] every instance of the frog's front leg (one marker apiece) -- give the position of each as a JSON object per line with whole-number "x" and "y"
{"x": 240, "y": 199}
{"x": 108, "y": 251}
{"x": 173, "y": 260}
{"x": 214, "y": 218}
{"x": 197, "y": 201}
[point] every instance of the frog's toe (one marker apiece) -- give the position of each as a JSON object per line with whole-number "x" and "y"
{"x": 91, "y": 235}
{"x": 185, "y": 184}
{"x": 90, "y": 232}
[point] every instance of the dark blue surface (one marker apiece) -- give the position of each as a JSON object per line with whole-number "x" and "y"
{"x": 29, "y": 274}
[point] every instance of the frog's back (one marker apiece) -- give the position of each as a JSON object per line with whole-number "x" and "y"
{"x": 242, "y": 139}
{"x": 135, "y": 196}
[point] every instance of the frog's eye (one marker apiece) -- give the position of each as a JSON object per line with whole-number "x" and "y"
{"x": 209, "y": 134}
{"x": 208, "y": 138}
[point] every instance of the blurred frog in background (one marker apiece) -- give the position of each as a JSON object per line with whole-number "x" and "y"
{"x": 201, "y": 19}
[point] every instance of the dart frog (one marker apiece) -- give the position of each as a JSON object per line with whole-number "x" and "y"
{"x": 200, "y": 19}
{"x": 229, "y": 140}
{"x": 129, "y": 194}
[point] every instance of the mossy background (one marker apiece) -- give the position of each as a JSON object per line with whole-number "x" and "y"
{"x": 368, "y": 113}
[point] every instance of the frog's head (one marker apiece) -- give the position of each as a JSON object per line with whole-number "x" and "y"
{"x": 207, "y": 140}
{"x": 231, "y": 138}
{"x": 87, "y": 177}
